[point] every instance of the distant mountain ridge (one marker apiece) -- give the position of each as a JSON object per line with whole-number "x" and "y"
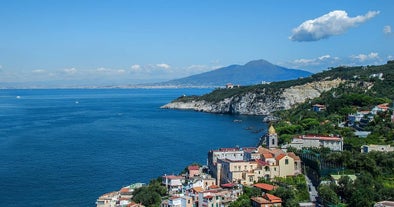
{"x": 253, "y": 72}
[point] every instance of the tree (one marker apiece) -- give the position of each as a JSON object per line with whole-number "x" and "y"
{"x": 328, "y": 195}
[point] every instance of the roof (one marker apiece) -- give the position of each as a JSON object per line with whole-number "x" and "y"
{"x": 261, "y": 162}
{"x": 213, "y": 187}
{"x": 193, "y": 167}
{"x": 273, "y": 198}
{"x": 271, "y": 130}
{"x": 124, "y": 190}
{"x": 267, "y": 155}
{"x": 260, "y": 200}
{"x": 228, "y": 185}
{"x": 198, "y": 189}
{"x": 279, "y": 157}
{"x": 172, "y": 177}
{"x": 337, "y": 177}
{"x": 293, "y": 155}
{"x": 264, "y": 186}
{"x": 318, "y": 137}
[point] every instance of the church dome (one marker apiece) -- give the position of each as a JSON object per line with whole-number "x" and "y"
{"x": 271, "y": 130}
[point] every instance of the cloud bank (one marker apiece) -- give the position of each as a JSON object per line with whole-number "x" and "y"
{"x": 334, "y": 23}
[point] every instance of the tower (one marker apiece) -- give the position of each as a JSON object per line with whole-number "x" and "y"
{"x": 271, "y": 138}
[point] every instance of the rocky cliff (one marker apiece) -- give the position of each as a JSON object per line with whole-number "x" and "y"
{"x": 259, "y": 103}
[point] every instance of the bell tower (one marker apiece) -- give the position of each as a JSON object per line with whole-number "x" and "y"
{"x": 271, "y": 138}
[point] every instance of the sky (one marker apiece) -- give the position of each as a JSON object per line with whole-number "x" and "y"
{"x": 79, "y": 43}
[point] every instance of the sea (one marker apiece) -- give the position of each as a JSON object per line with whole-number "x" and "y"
{"x": 66, "y": 147}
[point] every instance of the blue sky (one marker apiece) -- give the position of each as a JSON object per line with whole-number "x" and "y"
{"x": 69, "y": 43}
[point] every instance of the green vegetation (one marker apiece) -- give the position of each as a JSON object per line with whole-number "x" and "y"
{"x": 291, "y": 190}
{"x": 150, "y": 195}
{"x": 375, "y": 170}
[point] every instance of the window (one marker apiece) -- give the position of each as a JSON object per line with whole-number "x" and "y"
{"x": 286, "y": 161}
{"x": 273, "y": 141}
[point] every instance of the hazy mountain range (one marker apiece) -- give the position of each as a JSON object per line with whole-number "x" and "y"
{"x": 253, "y": 72}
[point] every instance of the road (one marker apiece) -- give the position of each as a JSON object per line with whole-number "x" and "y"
{"x": 312, "y": 190}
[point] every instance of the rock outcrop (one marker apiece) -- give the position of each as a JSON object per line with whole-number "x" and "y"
{"x": 261, "y": 103}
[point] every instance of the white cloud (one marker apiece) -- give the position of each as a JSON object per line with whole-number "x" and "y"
{"x": 39, "y": 71}
{"x": 324, "y": 59}
{"x": 136, "y": 67}
{"x": 334, "y": 23}
{"x": 366, "y": 57}
{"x": 163, "y": 65}
{"x": 390, "y": 57}
{"x": 70, "y": 71}
{"x": 387, "y": 29}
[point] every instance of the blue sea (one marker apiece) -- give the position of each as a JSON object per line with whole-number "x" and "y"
{"x": 67, "y": 147}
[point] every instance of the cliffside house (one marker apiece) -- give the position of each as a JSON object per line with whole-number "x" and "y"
{"x": 318, "y": 107}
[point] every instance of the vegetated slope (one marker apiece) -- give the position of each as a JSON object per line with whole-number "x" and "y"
{"x": 263, "y": 99}
{"x": 254, "y": 72}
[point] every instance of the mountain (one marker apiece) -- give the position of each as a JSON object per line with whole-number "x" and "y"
{"x": 253, "y": 72}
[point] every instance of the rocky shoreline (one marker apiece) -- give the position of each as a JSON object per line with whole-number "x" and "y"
{"x": 263, "y": 103}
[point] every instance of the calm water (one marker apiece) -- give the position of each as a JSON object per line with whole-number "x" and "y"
{"x": 67, "y": 147}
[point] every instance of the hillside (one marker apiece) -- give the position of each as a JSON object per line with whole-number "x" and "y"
{"x": 253, "y": 72}
{"x": 263, "y": 99}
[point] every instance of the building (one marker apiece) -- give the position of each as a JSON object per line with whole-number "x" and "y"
{"x": 173, "y": 183}
{"x": 267, "y": 200}
{"x": 335, "y": 143}
{"x": 271, "y": 139}
{"x": 318, "y": 107}
{"x": 235, "y": 154}
{"x": 380, "y": 108}
{"x": 193, "y": 170}
{"x": 379, "y": 148}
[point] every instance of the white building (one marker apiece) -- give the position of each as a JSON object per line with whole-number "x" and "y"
{"x": 317, "y": 141}
{"x": 380, "y": 148}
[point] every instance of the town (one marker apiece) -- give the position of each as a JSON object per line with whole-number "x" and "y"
{"x": 271, "y": 174}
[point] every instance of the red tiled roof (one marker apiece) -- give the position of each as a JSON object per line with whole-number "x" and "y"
{"x": 294, "y": 156}
{"x": 279, "y": 157}
{"x": 124, "y": 190}
{"x": 260, "y": 200}
{"x": 228, "y": 185}
{"x": 208, "y": 196}
{"x": 213, "y": 187}
{"x": 193, "y": 167}
{"x": 273, "y": 198}
{"x": 173, "y": 177}
{"x": 261, "y": 162}
{"x": 264, "y": 186}
{"x": 267, "y": 155}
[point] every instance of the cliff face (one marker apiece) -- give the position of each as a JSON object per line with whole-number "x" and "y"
{"x": 262, "y": 103}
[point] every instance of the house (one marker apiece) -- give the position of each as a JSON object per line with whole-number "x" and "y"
{"x": 229, "y": 86}
{"x": 362, "y": 134}
{"x": 380, "y": 108}
{"x": 108, "y": 199}
{"x": 267, "y": 200}
{"x": 193, "y": 170}
{"x": 203, "y": 181}
{"x": 318, "y": 107}
{"x": 173, "y": 183}
{"x": 335, "y": 143}
{"x": 373, "y": 147}
{"x": 355, "y": 118}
